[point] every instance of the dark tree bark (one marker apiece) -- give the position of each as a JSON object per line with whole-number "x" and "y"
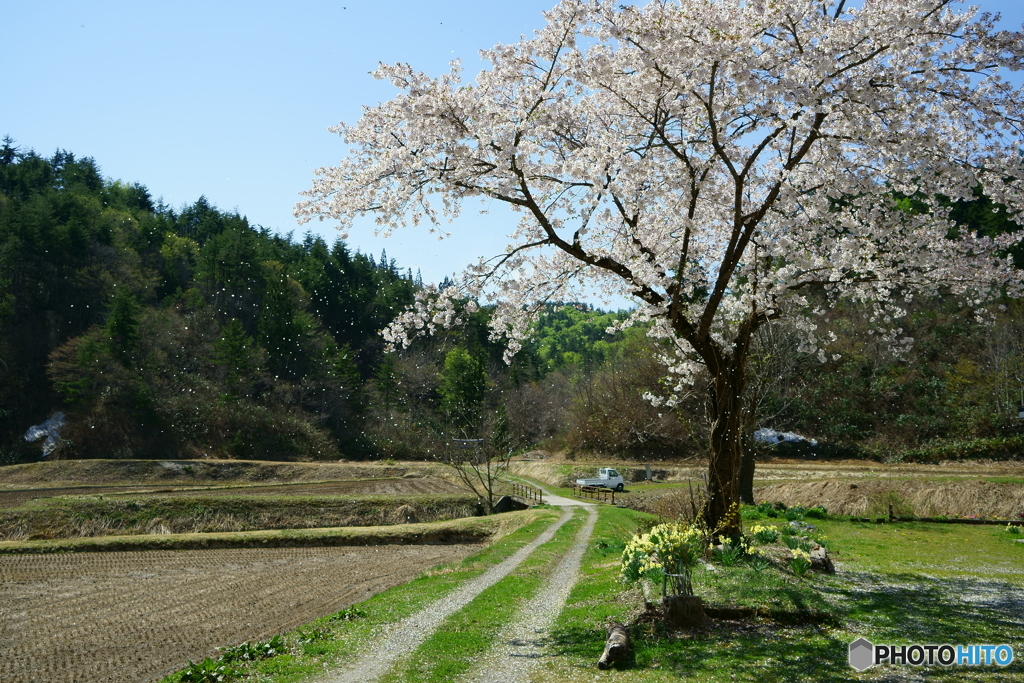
{"x": 720, "y": 512}
{"x": 726, "y": 408}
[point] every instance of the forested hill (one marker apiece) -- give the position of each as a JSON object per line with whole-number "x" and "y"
{"x": 175, "y": 333}
{"x": 190, "y": 333}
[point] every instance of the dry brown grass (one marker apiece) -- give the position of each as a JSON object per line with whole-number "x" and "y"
{"x": 911, "y": 496}
{"x": 198, "y": 472}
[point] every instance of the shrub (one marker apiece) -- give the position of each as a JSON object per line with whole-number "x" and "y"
{"x": 666, "y": 554}
{"x": 751, "y": 514}
{"x": 795, "y": 513}
{"x": 816, "y": 512}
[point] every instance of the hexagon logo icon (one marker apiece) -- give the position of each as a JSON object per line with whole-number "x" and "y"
{"x": 862, "y": 654}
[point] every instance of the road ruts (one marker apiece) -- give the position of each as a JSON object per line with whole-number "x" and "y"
{"x": 521, "y": 644}
{"x": 409, "y": 633}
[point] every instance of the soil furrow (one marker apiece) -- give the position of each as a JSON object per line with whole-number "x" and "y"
{"x": 138, "y": 616}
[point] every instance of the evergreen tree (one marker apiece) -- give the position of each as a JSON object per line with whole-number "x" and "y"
{"x": 280, "y": 334}
{"x": 463, "y": 388}
{"x": 122, "y": 328}
{"x": 234, "y": 352}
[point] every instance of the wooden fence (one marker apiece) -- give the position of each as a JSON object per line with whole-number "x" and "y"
{"x": 527, "y": 492}
{"x": 594, "y": 493}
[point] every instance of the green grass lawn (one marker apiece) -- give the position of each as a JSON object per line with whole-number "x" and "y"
{"x": 898, "y": 584}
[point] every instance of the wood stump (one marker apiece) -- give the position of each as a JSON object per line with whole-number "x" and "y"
{"x": 616, "y": 647}
{"x": 684, "y": 611}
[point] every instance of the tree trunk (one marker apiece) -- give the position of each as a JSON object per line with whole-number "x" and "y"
{"x": 720, "y": 512}
{"x": 747, "y": 471}
{"x": 684, "y": 611}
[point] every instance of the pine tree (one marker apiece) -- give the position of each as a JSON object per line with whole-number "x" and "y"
{"x": 234, "y": 352}
{"x": 122, "y": 327}
{"x": 463, "y": 388}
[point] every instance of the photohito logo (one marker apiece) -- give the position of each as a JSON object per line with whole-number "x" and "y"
{"x": 864, "y": 655}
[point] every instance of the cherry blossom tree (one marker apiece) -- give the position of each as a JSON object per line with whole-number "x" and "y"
{"x": 715, "y": 160}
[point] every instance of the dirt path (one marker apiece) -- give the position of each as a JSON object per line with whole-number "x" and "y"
{"x": 138, "y": 616}
{"x": 551, "y": 498}
{"x": 521, "y": 644}
{"x": 408, "y": 634}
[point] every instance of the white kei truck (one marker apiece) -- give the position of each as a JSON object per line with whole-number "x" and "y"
{"x": 607, "y": 478}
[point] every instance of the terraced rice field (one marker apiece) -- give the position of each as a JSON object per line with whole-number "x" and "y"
{"x": 365, "y": 487}
{"x": 409, "y": 486}
{"x": 15, "y": 497}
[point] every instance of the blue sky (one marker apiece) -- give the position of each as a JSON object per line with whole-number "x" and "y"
{"x": 233, "y": 99}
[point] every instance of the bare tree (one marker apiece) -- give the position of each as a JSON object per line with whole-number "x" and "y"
{"x": 481, "y": 463}
{"x": 772, "y": 379}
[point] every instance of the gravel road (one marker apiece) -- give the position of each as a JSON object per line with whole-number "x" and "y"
{"x": 521, "y": 645}
{"x": 409, "y": 633}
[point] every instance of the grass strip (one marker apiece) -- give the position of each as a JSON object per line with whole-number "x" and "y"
{"x": 335, "y": 639}
{"x": 469, "y": 633}
{"x": 465, "y": 530}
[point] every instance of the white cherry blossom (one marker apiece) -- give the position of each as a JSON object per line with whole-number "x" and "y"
{"x": 715, "y": 160}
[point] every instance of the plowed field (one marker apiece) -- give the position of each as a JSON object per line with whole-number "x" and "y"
{"x": 138, "y": 616}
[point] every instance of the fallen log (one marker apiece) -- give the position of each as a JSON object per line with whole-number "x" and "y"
{"x": 615, "y": 647}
